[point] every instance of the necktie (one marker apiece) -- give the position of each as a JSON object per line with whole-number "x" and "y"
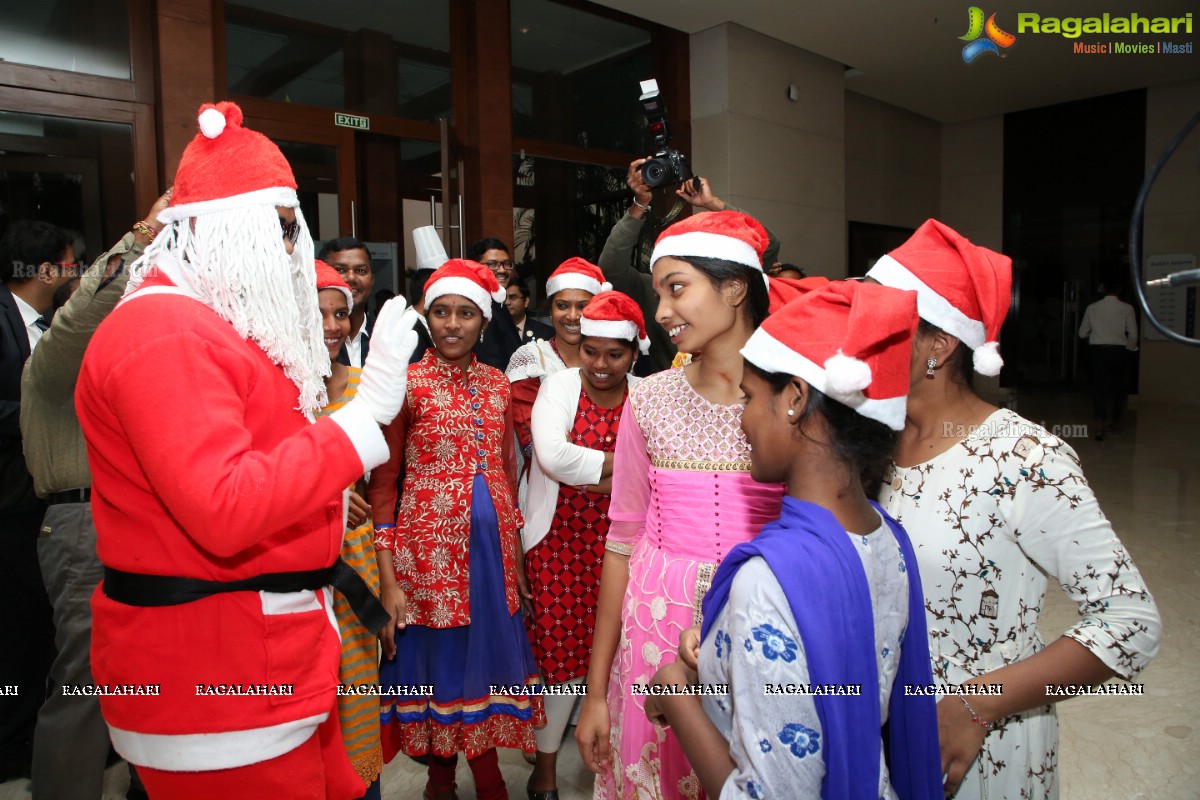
{"x": 41, "y": 324}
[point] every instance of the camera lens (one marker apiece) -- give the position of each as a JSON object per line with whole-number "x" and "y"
{"x": 654, "y": 172}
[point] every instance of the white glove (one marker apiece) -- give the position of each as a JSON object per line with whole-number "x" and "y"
{"x": 384, "y": 376}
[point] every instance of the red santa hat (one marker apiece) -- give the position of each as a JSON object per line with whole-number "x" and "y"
{"x": 781, "y": 291}
{"x": 468, "y": 279}
{"x": 849, "y": 340}
{"x": 328, "y": 278}
{"x": 613, "y": 315}
{"x": 962, "y": 288}
{"x": 577, "y": 273}
{"x": 228, "y": 167}
{"x": 728, "y": 235}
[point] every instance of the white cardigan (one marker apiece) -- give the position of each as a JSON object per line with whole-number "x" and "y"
{"x": 555, "y": 459}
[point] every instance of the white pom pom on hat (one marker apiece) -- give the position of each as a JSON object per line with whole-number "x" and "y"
{"x": 987, "y": 360}
{"x": 845, "y": 375}
{"x": 212, "y": 123}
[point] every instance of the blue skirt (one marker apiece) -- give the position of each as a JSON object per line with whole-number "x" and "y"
{"x": 462, "y": 665}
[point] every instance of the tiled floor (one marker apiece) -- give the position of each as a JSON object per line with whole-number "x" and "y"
{"x": 1148, "y": 482}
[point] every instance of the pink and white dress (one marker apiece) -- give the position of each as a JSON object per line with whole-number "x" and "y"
{"x": 682, "y": 498}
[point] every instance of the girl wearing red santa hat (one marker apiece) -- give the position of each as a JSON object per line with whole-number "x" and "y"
{"x": 450, "y": 560}
{"x": 997, "y": 505}
{"x": 575, "y": 423}
{"x": 827, "y": 594}
{"x": 569, "y": 289}
{"x": 359, "y": 665}
{"x": 682, "y": 497}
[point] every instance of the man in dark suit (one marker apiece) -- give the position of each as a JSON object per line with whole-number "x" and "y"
{"x": 36, "y": 258}
{"x": 500, "y": 339}
{"x": 517, "y": 303}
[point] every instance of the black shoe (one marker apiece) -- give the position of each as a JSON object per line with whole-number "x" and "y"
{"x": 549, "y": 794}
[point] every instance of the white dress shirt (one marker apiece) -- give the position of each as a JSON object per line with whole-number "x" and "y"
{"x": 1110, "y": 321}
{"x": 29, "y": 316}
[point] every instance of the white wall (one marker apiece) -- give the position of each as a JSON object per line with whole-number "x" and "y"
{"x": 893, "y": 164}
{"x": 972, "y": 180}
{"x": 781, "y": 160}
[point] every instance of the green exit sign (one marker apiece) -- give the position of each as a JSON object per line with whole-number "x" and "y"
{"x": 352, "y": 121}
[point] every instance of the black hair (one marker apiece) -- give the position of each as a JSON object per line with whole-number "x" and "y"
{"x": 864, "y": 444}
{"x": 633, "y": 343}
{"x": 27, "y": 245}
{"x": 961, "y": 362}
{"x": 478, "y": 248}
{"x": 521, "y": 287}
{"x": 344, "y": 243}
{"x": 416, "y": 286}
{"x": 792, "y": 267}
{"x": 720, "y": 272}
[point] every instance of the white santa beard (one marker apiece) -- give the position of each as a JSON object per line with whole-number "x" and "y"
{"x": 235, "y": 263}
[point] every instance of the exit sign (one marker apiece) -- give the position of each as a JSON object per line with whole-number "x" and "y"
{"x": 352, "y": 121}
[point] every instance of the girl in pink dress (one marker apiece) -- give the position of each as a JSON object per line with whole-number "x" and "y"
{"x": 682, "y": 498}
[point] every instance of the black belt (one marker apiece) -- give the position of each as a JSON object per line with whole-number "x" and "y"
{"x": 69, "y": 496}
{"x": 152, "y": 591}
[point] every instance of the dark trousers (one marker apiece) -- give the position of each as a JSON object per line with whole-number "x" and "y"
{"x": 26, "y": 635}
{"x": 1110, "y": 374}
{"x": 70, "y": 746}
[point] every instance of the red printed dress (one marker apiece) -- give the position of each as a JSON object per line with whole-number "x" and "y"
{"x": 564, "y": 568}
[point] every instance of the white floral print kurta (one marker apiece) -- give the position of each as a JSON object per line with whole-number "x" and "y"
{"x": 990, "y": 519}
{"x": 777, "y": 741}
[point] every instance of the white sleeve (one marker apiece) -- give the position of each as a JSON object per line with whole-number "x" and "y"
{"x": 1058, "y": 523}
{"x": 550, "y": 427}
{"x": 776, "y": 741}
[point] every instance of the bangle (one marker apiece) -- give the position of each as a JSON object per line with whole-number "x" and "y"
{"x": 988, "y": 726}
{"x": 639, "y": 205}
{"x": 142, "y": 227}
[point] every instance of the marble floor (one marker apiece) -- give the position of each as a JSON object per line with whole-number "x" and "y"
{"x": 1148, "y": 482}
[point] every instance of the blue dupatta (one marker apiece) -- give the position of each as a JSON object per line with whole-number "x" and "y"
{"x": 826, "y": 587}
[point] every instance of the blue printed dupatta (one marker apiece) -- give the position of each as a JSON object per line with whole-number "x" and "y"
{"x": 807, "y": 548}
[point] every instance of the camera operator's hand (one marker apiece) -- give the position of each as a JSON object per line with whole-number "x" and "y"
{"x": 642, "y": 194}
{"x": 701, "y": 197}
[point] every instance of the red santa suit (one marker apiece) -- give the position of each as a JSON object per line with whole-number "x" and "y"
{"x": 205, "y": 468}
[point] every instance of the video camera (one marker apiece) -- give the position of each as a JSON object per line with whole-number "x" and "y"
{"x": 667, "y": 166}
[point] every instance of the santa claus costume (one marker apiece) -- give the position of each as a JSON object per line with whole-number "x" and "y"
{"x": 197, "y": 399}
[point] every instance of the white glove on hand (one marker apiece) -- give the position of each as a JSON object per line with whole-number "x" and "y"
{"x": 384, "y": 376}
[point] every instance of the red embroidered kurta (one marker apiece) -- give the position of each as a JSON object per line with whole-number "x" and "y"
{"x": 447, "y": 431}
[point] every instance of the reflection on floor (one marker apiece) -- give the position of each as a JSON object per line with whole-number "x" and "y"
{"x": 1148, "y": 482}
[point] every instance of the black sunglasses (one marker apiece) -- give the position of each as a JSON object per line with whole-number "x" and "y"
{"x": 291, "y": 230}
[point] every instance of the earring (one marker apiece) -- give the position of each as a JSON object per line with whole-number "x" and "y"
{"x": 481, "y": 337}
{"x": 791, "y": 412}
{"x": 930, "y": 364}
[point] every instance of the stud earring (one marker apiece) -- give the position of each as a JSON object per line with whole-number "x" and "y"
{"x": 929, "y": 365}
{"x": 791, "y": 412}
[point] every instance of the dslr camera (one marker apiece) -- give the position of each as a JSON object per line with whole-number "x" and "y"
{"x": 667, "y": 166}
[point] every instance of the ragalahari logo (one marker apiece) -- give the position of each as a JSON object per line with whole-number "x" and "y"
{"x": 995, "y": 40}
